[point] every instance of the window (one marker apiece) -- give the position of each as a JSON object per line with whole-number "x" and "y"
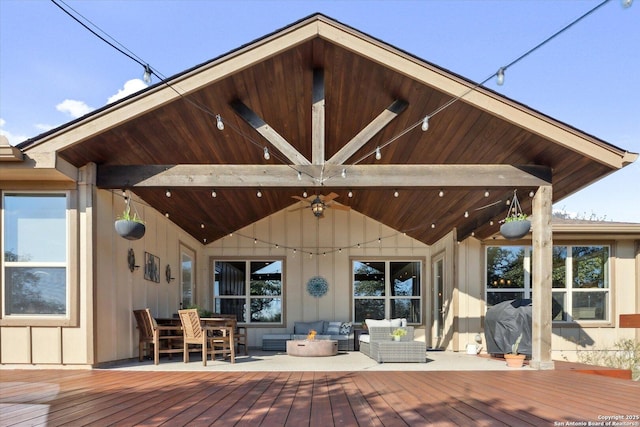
{"x": 187, "y": 257}
{"x": 35, "y": 255}
{"x": 386, "y": 290}
{"x": 580, "y": 279}
{"x": 256, "y": 285}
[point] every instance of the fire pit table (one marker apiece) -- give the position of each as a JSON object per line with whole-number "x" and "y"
{"x": 312, "y": 348}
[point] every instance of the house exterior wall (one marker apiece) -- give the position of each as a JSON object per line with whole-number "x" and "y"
{"x": 568, "y": 339}
{"x": 333, "y": 242}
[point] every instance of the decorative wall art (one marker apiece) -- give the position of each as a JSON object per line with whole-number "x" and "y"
{"x": 317, "y": 286}
{"x": 151, "y": 267}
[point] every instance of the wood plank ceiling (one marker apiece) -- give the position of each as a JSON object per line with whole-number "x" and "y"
{"x": 353, "y": 90}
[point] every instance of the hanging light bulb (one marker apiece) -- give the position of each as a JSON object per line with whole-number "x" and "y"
{"x": 466, "y": 214}
{"x": 166, "y": 214}
{"x": 433, "y": 225}
{"x": 350, "y": 193}
{"x": 267, "y": 156}
{"x": 344, "y": 173}
{"x": 425, "y": 124}
{"x": 304, "y": 194}
{"x": 214, "y": 194}
{"x": 441, "y": 193}
{"x": 486, "y": 193}
{"x": 259, "y": 193}
{"x": 146, "y": 77}
{"x": 378, "y": 153}
{"x": 219, "y": 122}
{"x": 168, "y": 193}
{"x": 201, "y": 225}
{"x": 500, "y": 76}
{"x": 396, "y": 194}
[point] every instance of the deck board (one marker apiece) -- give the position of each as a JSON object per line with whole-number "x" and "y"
{"x": 373, "y": 398}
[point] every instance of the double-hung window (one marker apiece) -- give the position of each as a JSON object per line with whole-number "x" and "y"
{"x": 250, "y": 289}
{"x": 35, "y": 263}
{"x": 580, "y": 279}
{"x": 386, "y": 290}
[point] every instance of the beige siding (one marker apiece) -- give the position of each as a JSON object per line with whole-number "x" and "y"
{"x": 323, "y": 238}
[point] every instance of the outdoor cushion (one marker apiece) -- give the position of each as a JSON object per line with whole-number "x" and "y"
{"x": 394, "y": 323}
{"x": 333, "y": 328}
{"x": 345, "y": 328}
{"x": 303, "y": 328}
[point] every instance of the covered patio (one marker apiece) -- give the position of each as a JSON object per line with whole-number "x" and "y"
{"x": 409, "y": 162}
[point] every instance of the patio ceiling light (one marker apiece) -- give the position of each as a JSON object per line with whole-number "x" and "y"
{"x": 219, "y": 123}
{"x": 317, "y": 207}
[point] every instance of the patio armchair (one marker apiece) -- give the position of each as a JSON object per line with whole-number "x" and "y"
{"x": 239, "y": 332}
{"x": 164, "y": 339}
{"x": 213, "y": 339}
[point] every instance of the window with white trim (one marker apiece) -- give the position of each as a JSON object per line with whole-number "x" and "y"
{"x": 580, "y": 279}
{"x": 250, "y": 289}
{"x": 387, "y": 290}
{"x": 35, "y": 248}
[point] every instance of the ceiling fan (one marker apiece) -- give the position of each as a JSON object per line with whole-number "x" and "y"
{"x": 318, "y": 203}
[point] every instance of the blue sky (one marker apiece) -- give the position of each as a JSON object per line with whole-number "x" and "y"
{"x": 52, "y": 69}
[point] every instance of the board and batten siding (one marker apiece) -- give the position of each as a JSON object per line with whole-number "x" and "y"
{"x": 323, "y": 247}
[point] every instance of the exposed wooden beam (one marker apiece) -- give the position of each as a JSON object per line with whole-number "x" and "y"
{"x": 369, "y": 131}
{"x": 269, "y": 133}
{"x": 318, "y": 118}
{"x": 284, "y": 176}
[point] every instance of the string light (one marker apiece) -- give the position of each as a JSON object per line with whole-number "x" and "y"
{"x": 259, "y": 193}
{"x": 500, "y": 76}
{"x": 350, "y": 194}
{"x": 146, "y": 77}
{"x": 396, "y": 194}
{"x": 267, "y": 156}
{"x": 201, "y": 225}
{"x": 214, "y": 194}
{"x": 466, "y": 214}
{"x": 304, "y": 194}
{"x": 378, "y": 153}
{"x": 425, "y": 124}
{"x": 219, "y": 123}
{"x": 486, "y": 193}
{"x": 168, "y": 193}
{"x": 441, "y": 193}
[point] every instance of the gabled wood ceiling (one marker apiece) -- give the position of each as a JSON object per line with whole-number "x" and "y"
{"x": 357, "y": 89}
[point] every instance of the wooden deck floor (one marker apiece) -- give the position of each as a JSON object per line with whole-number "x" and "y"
{"x": 513, "y": 398}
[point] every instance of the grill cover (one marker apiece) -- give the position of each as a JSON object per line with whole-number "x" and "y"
{"x": 504, "y": 322}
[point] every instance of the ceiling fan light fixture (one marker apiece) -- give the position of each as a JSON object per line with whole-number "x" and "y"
{"x": 317, "y": 207}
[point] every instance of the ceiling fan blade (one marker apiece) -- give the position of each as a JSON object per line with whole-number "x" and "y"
{"x": 329, "y": 197}
{"x": 339, "y": 207}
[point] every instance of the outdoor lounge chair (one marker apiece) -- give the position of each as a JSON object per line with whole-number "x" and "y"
{"x": 164, "y": 339}
{"x": 217, "y": 339}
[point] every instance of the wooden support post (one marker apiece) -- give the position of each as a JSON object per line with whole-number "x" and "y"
{"x": 542, "y": 279}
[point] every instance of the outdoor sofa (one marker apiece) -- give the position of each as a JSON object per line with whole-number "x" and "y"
{"x": 380, "y": 346}
{"x": 325, "y": 330}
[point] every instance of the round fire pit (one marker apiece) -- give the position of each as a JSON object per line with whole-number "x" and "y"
{"x": 312, "y": 348}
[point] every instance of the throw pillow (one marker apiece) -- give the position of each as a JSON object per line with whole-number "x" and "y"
{"x": 345, "y": 328}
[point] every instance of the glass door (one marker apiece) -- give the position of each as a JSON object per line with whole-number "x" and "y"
{"x": 187, "y": 277}
{"x": 438, "y": 300}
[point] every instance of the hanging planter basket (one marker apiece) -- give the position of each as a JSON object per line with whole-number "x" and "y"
{"x": 130, "y": 226}
{"x": 516, "y": 225}
{"x": 130, "y": 230}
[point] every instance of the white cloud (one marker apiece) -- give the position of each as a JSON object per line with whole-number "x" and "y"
{"x": 74, "y": 108}
{"x": 13, "y": 138}
{"x": 131, "y": 86}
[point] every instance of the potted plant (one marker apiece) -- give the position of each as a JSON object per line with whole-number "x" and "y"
{"x": 514, "y": 359}
{"x": 516, "y": 225}
{"x": 129, "y": 225}
{"x": 398, "y": 333}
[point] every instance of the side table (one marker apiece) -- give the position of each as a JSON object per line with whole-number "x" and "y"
{"x": 356, "y": 337}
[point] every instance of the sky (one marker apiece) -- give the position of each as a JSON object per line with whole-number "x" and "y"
{"x": 52, "y": 70}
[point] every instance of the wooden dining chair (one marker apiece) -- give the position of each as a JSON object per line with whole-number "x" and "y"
{"x": 165, "y": 339}
{"x": 214, "y": 339}
{"x": 239, "y": 332}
